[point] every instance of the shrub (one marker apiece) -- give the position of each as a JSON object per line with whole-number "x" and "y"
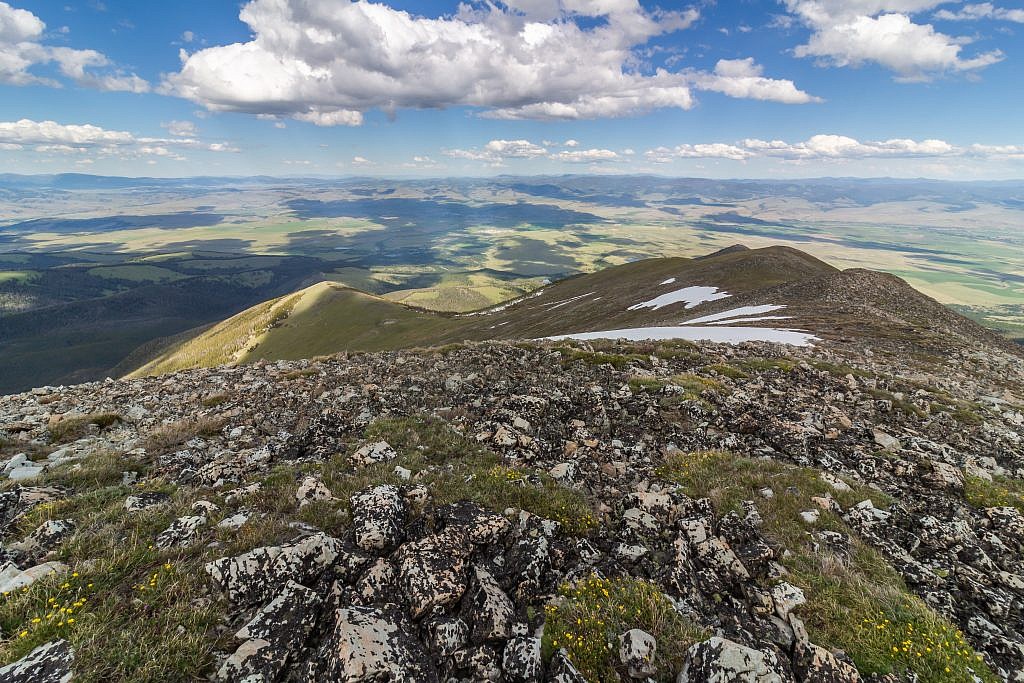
{"x": 1000, "y": 492}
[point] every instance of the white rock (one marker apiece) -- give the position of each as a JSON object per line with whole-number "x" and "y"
{"x": 25, "y": 472}
{"x": 12, "y": 578}
{"x": 786, "y": 597}
{"x": 372, "y": 453}
{"x": 886, "y": 441}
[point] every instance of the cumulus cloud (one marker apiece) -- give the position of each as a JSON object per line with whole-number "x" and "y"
{"x": 981, "y": 10}
{"x": 829, "y": 147}
{"x": 330, "y": 63}
{"x": 745, "y": 78}
{"x": 496, "y": 152}
{"x": 585, "y": 156}
{"x": 21, "y": 49}
{"x": 855, "y": 32}
{"x": 51, "y": 137}
{"x": 182, "y": 129}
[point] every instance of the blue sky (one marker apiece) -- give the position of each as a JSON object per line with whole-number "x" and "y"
{"x": 787, "y": 88}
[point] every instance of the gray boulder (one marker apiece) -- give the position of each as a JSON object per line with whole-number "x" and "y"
{"x": 522, "y": 661}
{"x": 718, "y": 660}
{"x": 273, "y": 637}
{"x": 378, "y": 515}
{"x": 48, "y": 663}
{"x": 368, "y": 644}
{"x": 257, "y": 575}
{"x": 636, "y": 652}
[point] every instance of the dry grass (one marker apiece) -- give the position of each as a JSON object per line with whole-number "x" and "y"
{"x": 73, "y": 427}
{"x": 172, "y": 435}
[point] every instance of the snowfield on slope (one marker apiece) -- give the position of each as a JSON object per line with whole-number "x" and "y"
{"x": 740, "y": 314}
{"x": 691, "y": 296}
{"x": 728, "y": 335}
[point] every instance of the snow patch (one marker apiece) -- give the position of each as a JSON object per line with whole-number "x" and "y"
{"x": 756, "y": 318}
{"x": 559, "y": 304}
{"x": 691, "y": 296}
{"x": 728, "y": 335}
{"x": 668, "y": 281}
{"x": 742, "y": 311}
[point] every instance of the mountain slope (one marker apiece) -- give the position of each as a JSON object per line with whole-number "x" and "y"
{"x": 518, "y": 512}
{"x": 733, "y": 294}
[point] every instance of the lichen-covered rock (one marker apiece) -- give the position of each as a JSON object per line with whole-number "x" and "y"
{"x": 144, "y": 501}
{"x": 432, "y": 570}
{"x": 487, "y": 608}
{"x": 367, "y": 645}
{"x": 48, "y": 663}
{"x": 273, "y": 637}
{"x": 636, "y": 652}
{"x": 378, "y": 516}
{"x": 373, "y": 453}
{"x": 563, "y": 671}
{"x": 45, "y": 537}
{"x": 481, "y": 526}
{"x": 311, "y": 490}
{"x": 182, "y": 532}
{"x": 257, "y": 575}
{"x": 521, "y": 661}
{"x": 814, "y": 664}
{"x": 12, "y": 578}
{"x": 718, "y": 660}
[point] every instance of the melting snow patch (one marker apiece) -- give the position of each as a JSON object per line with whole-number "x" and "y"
{"x": 691, "y": 296}
{"x": 742, "y": 311}
{"x": 668, "y": 281}
{"x": 728, "y": 335}
{"x": 559, "y": 304}
{"x": 501, "y": 307}
{"x": 756, "y": 318}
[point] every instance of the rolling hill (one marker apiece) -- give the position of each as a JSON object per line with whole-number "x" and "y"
{"x": 737, "y": 294}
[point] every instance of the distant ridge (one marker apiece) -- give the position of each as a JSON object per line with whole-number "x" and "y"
{"x": 736, "y": 288}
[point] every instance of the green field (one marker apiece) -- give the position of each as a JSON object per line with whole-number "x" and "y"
{"x": 136, "y": 273}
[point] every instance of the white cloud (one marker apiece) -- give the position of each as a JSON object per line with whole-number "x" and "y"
{"x": 744, "y": 78}
{"x": 584, "y": 156}
{"x": 496, "y": 152}
{"x": 517, "y": 149}
{"x": 51, "y": 137}
{"x": 361, "y": 161}
{"x": 981, "y": 10}
{"x": 188, "y": 37}
{"x": 329, "y": 63}
{"x": 183, "y": 129}
{"x": 855, "y": 32}
{"x": 21, "y": 49}
{"x": 830, "y": 147}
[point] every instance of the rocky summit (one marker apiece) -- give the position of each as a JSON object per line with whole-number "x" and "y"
{"x": 551, "y": 511}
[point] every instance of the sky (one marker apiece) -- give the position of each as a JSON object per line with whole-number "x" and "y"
{"x": 729, "y": 89}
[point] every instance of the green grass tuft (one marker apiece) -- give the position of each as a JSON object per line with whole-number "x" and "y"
{"x": 587, "y": 618}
